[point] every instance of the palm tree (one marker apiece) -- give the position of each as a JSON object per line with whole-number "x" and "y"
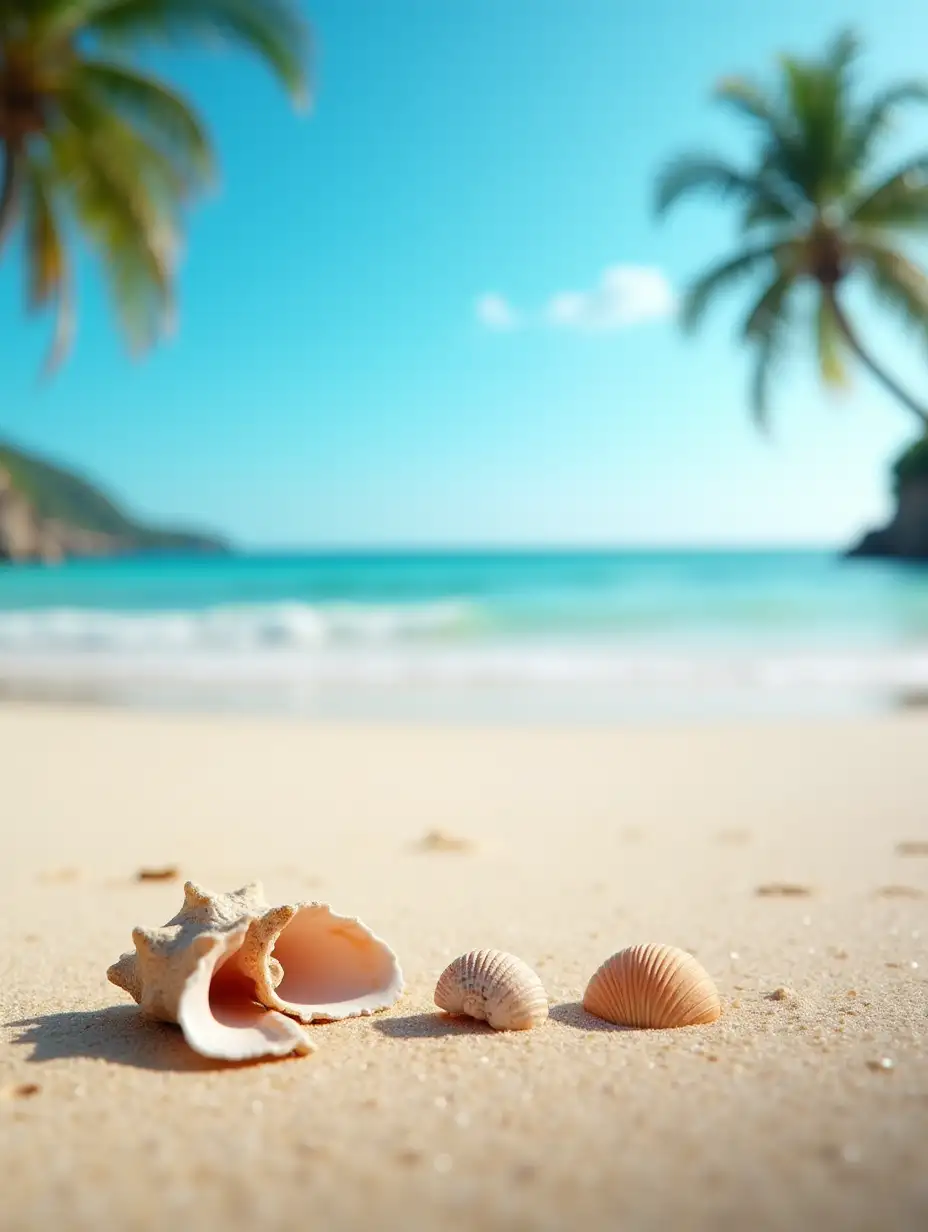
{"x": 91, "y": 146}
{"x": 812, "y": 214}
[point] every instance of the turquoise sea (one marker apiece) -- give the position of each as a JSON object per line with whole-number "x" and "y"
{"x": 597, "y": 636}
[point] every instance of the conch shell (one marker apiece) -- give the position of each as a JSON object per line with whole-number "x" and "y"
{"x": 494, "y": 987}
{"x": 212, "y": 971}
{"x": 333, "y": 966}
{"x": 652, "y": 986}
{"x": 190, "y": 972}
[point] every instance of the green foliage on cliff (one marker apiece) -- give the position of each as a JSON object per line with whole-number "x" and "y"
{"x": 912, "y": 465}
{"x": 55, "y": 493}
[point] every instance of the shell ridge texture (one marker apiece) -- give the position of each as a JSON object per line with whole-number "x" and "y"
{"x": 652, "y": 986}
{"x": 493, "y": 986}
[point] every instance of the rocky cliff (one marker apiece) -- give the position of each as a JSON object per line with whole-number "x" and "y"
{"x": 49, "y": 514}
{"x": 905, "y": 537}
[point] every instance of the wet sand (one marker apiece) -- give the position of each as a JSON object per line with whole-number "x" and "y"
{"x": 787, "y": 857}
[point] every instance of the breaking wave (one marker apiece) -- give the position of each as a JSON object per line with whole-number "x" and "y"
{"x": 276, "y": 626}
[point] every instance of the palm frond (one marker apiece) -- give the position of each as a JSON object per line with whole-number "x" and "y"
{"x": 829, "y": 344}
{"x": 109, "y": 190}
{"x": 766, "y": 327}
{"x": 843, "y": 53}
{"x": 907, "y": 212}
{"x": 781, "y": 196}
{"x": 273, "y": 29}
{"x": 818, "y": 103}
{"x": 153, "y": 110}
{"x": 896, "y": 281}
{"x": 47, "y": 267}
{"x": 896, "y": 201}
{"x": 767, "y": 354}
{"x": 769, "y": 211}
{"x": 692, "y": 174}
{"x": 11, "y": 172}
{"x": 877, "y": 118}
{"x": 150, "y": 174}
{"x": 764, "y": 315}
{"x": 720, "y": 277}
{"x": 746, "y": 98}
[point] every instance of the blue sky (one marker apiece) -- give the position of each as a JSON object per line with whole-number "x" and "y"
{"x": 339, "y": 376}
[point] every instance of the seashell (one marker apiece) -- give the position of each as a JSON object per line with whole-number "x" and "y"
{"x": 494, "y": 987}
{"x": 782, "y": 889}
{"x": 231, "y": 961}
{"x": 441, "y": 840}
{"x": 20, "y": 1090}
{"x": 899, "y": 891}
{"x": 331, "y": 966}
{"x": 912, "y": 847}
{"x": 652, "y": 986}
{"x": 165, "y": 872}
{"x": 190, "y": 972}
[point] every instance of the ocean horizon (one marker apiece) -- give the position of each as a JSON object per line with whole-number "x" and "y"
{"x": 552, "y": 634}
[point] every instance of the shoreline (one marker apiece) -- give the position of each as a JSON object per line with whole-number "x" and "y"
{"x": 535, "y": 706}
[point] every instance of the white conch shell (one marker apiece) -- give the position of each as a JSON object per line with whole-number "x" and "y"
{"x": 190, "y": 972}
{"x": 494, "y": 987}
{"x": 222, "y": 954}
{"x": 333, "y": 966}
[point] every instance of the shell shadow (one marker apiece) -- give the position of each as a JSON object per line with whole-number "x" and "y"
{"x": 572, "y": 1014}
{"x": 119, "y": 1034}
{"x": 429, "y": 1026}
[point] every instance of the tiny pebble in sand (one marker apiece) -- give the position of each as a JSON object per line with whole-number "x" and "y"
{"x": 440, "y": 840}
{"x": 912, "y": 847}
{"x": 170, "y": 872}
{"x": 21, "y": 1090}
{"x": 783, "y": 993}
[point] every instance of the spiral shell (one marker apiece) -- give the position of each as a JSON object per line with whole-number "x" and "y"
{"x": 652, "y": 986}
{"x": 190, "y": 972}
{"x": 494, "y": 987}
{"x": 228, "y": 968}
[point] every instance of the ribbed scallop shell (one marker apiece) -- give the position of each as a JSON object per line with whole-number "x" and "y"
{"x": 494, "y": 987}
{"x": 652, "y": 986}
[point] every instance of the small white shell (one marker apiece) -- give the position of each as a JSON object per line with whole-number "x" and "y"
{"x": 189, "y": 972}
{"x": 495, "y": 987}
{"x": 332, "y": 966}
{"x": 652, "y": 986}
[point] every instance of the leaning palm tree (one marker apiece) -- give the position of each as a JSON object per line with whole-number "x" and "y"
{"x": 812, "y": 214}
{"x": 94, "y": 148}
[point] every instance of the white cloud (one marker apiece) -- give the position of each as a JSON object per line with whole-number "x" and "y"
{"x": 626, "y": 295}
{"x": 495, "y": 312}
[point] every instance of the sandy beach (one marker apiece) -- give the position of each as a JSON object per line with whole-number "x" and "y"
{"x": 807, "y": 1111}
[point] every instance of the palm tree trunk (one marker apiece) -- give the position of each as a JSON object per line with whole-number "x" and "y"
{"x": 853, "y": 343}
{"x": 10, "y": 179}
